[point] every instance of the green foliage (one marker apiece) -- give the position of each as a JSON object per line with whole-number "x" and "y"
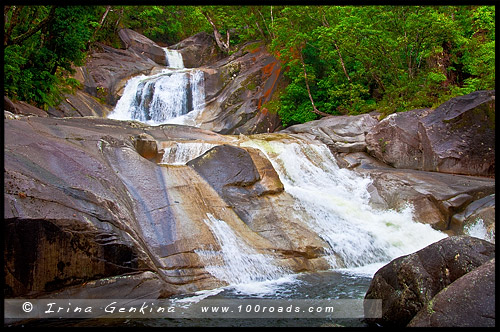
{"x": 385, "y": 58}
{"x": 36, "y": 67}
{"x": 347, "y": 59}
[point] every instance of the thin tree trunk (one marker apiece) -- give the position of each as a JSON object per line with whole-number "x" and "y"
{"x": 342, "y": 62}
{"x": 108, "y": 8}
{"x": 314, "y": 110}
{"x": 224, "y": 46}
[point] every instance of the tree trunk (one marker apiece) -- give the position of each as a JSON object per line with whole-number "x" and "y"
{"x": 224, "y": 46}
{"x": 342, "y": 62}
{"x": 314, "y": 110}
{"x": 108, "y": 8}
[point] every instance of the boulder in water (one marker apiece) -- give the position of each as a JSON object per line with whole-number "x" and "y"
{"x": 467, "y": 302}
{"x": 407, "y": 284}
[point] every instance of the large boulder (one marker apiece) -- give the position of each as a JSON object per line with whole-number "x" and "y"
{"x": 226, "y": 165}
{"x": 395, "y": 140}
{"x": 467, "y": 302}
{"x": 237, "y": 89}
{"x": 198, "y": 50}
{"x": 143, "y": 45}
{"x": 457, "y": 137}
{"x": 342, "y": 134}
{"x": 407, "y": 284}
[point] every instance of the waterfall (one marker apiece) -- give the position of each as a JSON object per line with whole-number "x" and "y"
{"x": 163, "y": 97}
{"x": 337, "y": 203}
{"x": 179, "y": 153}
{"x": 174, "y": 58}
{"x": 237, "y": 262}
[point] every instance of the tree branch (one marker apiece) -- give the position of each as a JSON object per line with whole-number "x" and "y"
{"x": 218, "y": 37}
{"x": 314, "y": 110}
{"x": 19, "y": 39}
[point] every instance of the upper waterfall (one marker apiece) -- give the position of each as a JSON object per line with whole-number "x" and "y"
{"x": 174, "y": 58}
{"x": 162, "y": 97}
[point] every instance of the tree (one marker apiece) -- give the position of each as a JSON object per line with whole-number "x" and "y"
{"x": 41, "y": 45}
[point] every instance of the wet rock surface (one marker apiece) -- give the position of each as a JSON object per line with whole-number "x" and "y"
{"x": 411, "y": 283}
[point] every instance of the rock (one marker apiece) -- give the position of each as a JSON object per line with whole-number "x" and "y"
{"x": 226, "y": 165}
{"x": 198, "y": 50}
{"x": 457, "y": 137}
{"x": 407, "y": 284}
{"x": 80, "y": 104}
{"x": 146, "y": 146}
{"x": 341, "y": 133}
{"x": 142, "y": 45}
{"x": 237, "y": 89}
{"x": 469, "y": 301}
{"x": 478, "y": 219}
{"x": 395, "y": 140}
{"x": 435, "y": 197}
{"x": 82, "y": 206}
{"x": 107, "y": 70}
{"x": 22, "y": 108}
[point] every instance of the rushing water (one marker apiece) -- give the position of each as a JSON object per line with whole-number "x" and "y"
{"x": 165, "y": 97}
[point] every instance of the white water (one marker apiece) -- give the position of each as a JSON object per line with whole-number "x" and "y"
{"x": 174, "y": 58}
{"x": 179, "y": 153}
{"x": 361, "y": 239}
{"x": 165, "y": 97}
{"x": 478, "y": 229}
{"x": 237, "y": 263}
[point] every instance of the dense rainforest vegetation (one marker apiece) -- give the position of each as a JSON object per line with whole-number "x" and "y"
{"x": 337, "y": 59}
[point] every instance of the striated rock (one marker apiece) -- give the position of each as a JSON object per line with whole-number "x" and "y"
{"x": 142, "y": 45}
{"x": 469, "y": 301}
{"x": 343, "y": 134}
{"x": 407, "y": 284}
{"x": 457, "y": 137}
{"x": 85, "y": 201}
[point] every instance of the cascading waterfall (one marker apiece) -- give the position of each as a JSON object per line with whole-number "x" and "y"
{"x": 237, "y": 262}
{"x": 337, "y": 201}
{"x": 163, "y": 97}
